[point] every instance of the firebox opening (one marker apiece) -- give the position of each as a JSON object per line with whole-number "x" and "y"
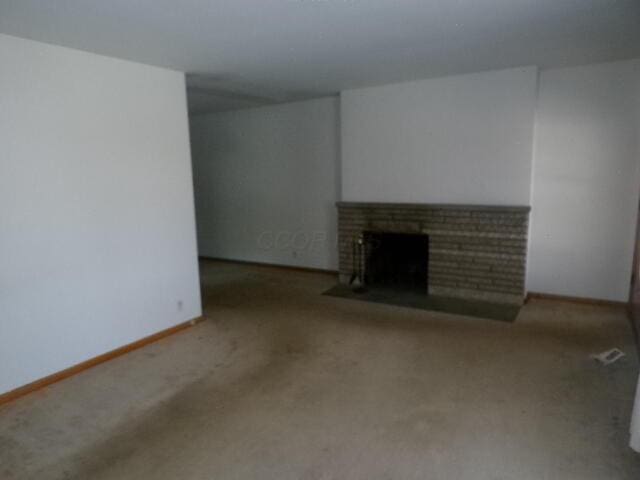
{"x": 397, "y": 260}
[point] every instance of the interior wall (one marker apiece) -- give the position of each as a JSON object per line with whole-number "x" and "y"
{"x": 412, "y": 142}
{"x": 97, "y": 234}
{"x": 464, "y": 139}
{"x": 586, "y": 181}
{"x": 266, "y": 183}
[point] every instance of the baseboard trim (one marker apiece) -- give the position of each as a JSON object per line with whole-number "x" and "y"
{"x": 270, "y": 265}
{"x": 582, "y": 300}
{"x": 92, "y": 362}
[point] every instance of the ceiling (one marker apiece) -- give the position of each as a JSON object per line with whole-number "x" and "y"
{"x": 243, "y": 53}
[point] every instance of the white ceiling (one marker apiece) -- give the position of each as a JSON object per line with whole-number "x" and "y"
{"x": 251, "y": 52}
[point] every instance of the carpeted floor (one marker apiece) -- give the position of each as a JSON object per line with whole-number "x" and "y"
{"x": 284, "y": 383}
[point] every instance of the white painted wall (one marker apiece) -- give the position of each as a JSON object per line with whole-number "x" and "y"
{"x": 463, "y": 139}
{"x": 266, "y": 183}
{"x": 97, "y": 237}
{"x": 586, "y": 181}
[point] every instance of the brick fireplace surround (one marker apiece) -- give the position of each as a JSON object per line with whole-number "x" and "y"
{"x": 475, "y": 252}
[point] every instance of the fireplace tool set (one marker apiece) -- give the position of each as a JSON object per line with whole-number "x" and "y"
{"x": 357, "y": 280}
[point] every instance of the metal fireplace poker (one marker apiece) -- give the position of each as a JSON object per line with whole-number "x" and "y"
{"x": 357, "y": 281}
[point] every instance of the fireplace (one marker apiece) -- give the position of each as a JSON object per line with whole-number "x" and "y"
{"x": 396, "y": 260}
{"x": 472, "y": 252}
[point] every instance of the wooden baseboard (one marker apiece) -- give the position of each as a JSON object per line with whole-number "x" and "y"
{"x": 271, "y": 265}
{"x": 92, "y": 362}
{"x": 587, "y": 301}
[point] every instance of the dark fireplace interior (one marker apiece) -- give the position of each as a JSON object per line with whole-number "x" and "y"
{"x": 397, "y": 260}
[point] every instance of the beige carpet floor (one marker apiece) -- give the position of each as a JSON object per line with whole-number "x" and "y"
{"x": 284, "y": 383}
